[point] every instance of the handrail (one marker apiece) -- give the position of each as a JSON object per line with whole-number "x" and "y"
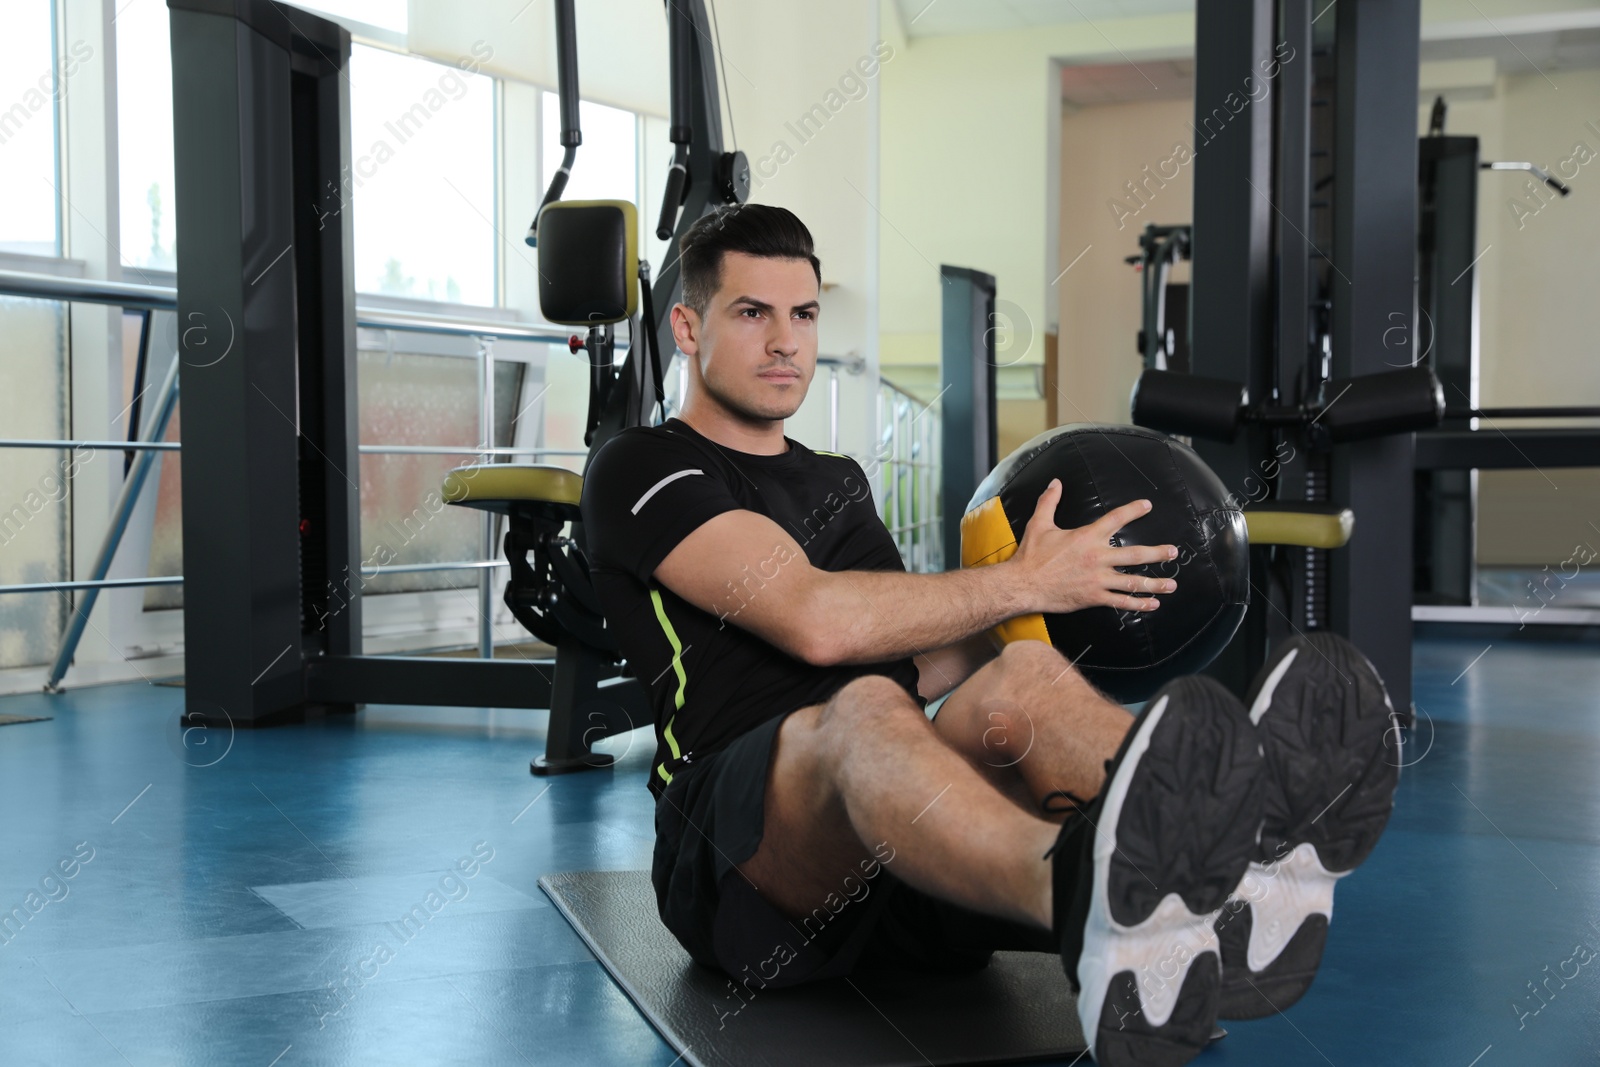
{"x": 177, "y": 579}
{"x": 419, "y": 568}
{"x": 165, "y": 298}
{"x": 851, "y": 364}
{"x": 900, "y": 389}
{"x": 442, "y": 450}
{"x": 413, "y": 322}
{"x": 103, "y": 583}
{"x": 88, "y": 290}
{"x": 118, "y": 446}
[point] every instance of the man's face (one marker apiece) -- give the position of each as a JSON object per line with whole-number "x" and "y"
{"x": 756, "y": 345}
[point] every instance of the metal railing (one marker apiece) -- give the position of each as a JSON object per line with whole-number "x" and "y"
{"x": 906, "y": 452}
{"x": 908, "y": 455}
{"x": 904, "y": 462}
{"x": 834, "y": 365}
{"x": 146, "y": 441}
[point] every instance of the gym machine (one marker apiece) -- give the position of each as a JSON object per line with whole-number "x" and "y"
{"x": 1298, "y": 287}
{"x": 1164, "y": 324}
{"x": 267, "y": 319}
{"x": 1447, "y": 250}
{"x": 969, "y": 428}
{"x": 589, "y": 272}
{"x": 1445, "y": 551}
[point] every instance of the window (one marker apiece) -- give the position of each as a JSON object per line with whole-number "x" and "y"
{"x": 144, "y": 138}
{"x": 607, "y": 159}
{"x": 30, "y": 85}
{"x": 422, "y": 183}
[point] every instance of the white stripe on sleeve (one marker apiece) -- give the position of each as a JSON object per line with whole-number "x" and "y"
{"x": 662, "y": 484}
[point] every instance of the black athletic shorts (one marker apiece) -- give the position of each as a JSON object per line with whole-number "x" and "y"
{"x": 709, "y": 819}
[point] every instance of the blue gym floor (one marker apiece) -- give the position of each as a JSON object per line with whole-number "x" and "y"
{"x": 220, "y": 905}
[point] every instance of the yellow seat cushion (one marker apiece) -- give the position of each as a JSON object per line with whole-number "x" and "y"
{"x": 1306, "y": 525}
{"x": 499, "y": 486}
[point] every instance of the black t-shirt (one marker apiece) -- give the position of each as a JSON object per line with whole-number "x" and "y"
{"x": 710, "y": 679}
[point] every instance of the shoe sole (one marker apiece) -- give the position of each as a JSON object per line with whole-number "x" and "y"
{"x": 1175, "y": 834}
{"x": 1324, "y": 720}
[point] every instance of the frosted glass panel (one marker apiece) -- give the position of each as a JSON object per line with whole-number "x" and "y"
{"x": 35, "y": 492}
{"x": 412, "y": 399}
{"x": 405, "y": 399}
{"x": 166, "y": 538}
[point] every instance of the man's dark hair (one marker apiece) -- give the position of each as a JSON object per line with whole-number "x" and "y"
{"x": 754, "y": 229}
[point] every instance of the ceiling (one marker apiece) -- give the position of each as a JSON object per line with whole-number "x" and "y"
{"x": 1544, "y": 53}
{"x": 1536, "y": 43}
{"x": 940, "y": 18}
{"x": 1524, "y": 53}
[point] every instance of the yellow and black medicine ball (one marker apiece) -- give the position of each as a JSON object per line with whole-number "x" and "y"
{"x": 1127, "y": 654}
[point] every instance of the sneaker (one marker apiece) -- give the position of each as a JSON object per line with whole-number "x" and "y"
{"x": 1141, "y": 875}
{"x": 1323, "y": 717}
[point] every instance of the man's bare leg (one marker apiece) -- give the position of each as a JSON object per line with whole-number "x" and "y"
{"x": 868, "y": 769}
{"x": 1033, "y": 725}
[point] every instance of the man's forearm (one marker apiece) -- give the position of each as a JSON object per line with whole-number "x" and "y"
{"x": 872, "y": 616}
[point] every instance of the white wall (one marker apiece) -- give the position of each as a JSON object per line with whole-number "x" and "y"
{"x": 783, "y": 60}
{"x": 969, "y": 148}
{"x": 969, "y": 123}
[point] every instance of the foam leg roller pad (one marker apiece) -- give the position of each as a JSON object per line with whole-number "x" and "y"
{"x": 1189, "y": 405}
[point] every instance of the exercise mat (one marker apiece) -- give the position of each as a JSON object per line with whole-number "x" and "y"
{"x": 1018, "y": 1009}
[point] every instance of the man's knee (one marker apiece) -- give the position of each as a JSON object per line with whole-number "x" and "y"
{"x": 1034, "y": 658}
{"x": 870, "y": 699}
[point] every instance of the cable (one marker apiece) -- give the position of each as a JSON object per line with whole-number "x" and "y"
{"x": 733, "y": 131}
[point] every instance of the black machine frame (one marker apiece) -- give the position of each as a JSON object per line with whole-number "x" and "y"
{"x": 1319, "y": 271}
{"x": 1302, "y": 245}
{"x": 969, "y": 442}
{"x": 1447, "y": 254}
{"x": 266, "y": 305}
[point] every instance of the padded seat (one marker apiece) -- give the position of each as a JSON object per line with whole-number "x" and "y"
{"x": 1281, "y": 522}
{"x": 515, "y": 488}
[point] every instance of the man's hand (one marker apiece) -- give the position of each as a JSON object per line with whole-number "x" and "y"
{"x": 1068, "y": 570}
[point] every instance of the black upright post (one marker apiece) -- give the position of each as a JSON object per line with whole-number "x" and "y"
{"x": 1279, "y": 604}
{"x": 1447, "y": 298}
{"x": 703, "y": 190}
{"x": 1231, "y": 308}
{"x": 1293, "y": 96}
{"x": 969, "y": 437}
{"x": 1374, "y": 251}
{"x": 267, "y": 324}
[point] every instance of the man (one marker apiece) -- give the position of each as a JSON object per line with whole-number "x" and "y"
{"x": 812, "y": 820}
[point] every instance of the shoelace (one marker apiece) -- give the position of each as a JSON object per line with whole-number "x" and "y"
{"x": 1074, "y": 808}
{"x": 1074, "y": 804}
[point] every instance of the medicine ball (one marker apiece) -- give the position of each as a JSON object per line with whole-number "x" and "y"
{"x": 1126, "y": 654}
